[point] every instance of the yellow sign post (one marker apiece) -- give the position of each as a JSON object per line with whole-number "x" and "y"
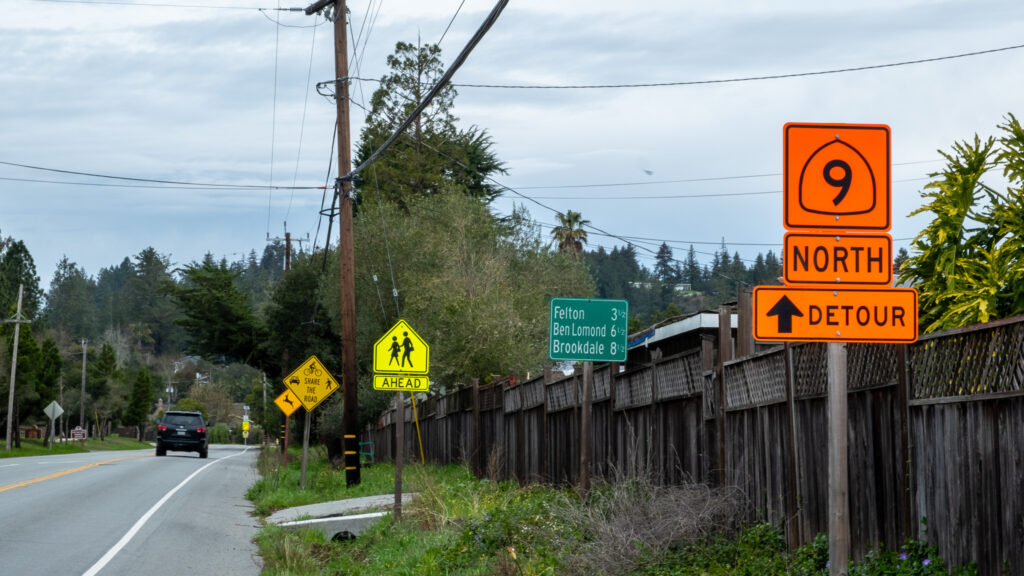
{"x": 311, "y": 383}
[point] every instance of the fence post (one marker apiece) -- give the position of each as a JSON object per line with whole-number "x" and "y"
{"x": 745, "y": 323}
{"x": 477, "y": 468}
{"x": 903, "y": 394}
{"x": 613, "y": 457}
{"x": 521, "y": 437}
{"x": 657, "y": 461}
{"x": 545, "y": 468}
{"x": 724, "y": 355}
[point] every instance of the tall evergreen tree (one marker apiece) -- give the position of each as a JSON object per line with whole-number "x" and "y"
{"x": 71, "y": 302}
{"x": 18, "y": 268}
{"x": 433, "y": 154}
{"x": 141, "y": 401}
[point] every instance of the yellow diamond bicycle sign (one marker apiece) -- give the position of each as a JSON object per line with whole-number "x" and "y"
{"x": 401, "y": 351}
{"x": 311, "y": 383}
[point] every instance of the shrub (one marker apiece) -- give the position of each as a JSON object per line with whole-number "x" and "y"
{"x": 219, "y": 434}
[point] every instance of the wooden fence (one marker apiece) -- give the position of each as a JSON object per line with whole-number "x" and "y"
{"x": 935, "y": 430}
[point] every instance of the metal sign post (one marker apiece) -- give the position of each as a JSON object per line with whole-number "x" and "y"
{"x": 838, "y": 481}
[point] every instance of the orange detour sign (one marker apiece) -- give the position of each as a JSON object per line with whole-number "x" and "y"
{"x": 786, "y": 314}
{"x": 836, "y": 177}
{"x": 837, "y": 259}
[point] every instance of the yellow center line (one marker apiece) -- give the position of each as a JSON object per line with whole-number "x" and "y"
{"x": 68, "y": 471}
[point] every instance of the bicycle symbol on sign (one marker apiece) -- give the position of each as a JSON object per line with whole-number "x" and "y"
{"x": 312, "y": 370}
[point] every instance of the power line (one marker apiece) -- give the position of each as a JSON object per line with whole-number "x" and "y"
{"x": 154, "y": 187}
{"x": 445, "y": 79}
{"x": 744, "y": 79}
{"x": 302, "y": 124}
{"x": 166, "y": 5}
{"x": 690, "y": 180}
{"x": 448, "y": 27}
{"x": 207, "y": 185}
{"x": 273, "y": 125}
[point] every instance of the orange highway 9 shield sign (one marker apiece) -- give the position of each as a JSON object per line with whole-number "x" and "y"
{"x": 785, "y": 314}
{"x": 836, "y": 177}
{"x": 837, "y": 259}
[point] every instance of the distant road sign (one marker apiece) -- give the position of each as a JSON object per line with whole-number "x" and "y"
{"x": 401, "y": 383}
{"x": 401, "y": 351}
{"x": 836, "y": 177}
{"x": 837, "y": 258}
{"x": 53, "y": 410}
{"x": 288, "y": 402}
{"x": 785, "y": 314}
{"x": 311, "y": 383}
{"x": 78, "y": 433}
{"x": 588, "y": 329}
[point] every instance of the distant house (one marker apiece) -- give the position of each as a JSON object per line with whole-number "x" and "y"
{"x": 673, "y": 336}
{"x": 681, "y": 287}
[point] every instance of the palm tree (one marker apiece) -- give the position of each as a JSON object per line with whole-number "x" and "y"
{"x": 569, "y": 234}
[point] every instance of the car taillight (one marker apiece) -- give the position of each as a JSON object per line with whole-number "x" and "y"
{"x": 203, "y": 430}
{"x": 161, "y": 427}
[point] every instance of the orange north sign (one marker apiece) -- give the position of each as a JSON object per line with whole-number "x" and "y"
{"x": 836, "y": 177}
{"x": 837, "y": 259}
{"x": 785, "y": 314}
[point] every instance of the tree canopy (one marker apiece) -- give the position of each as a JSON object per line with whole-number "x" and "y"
{"x": 968, "y": 262}
{"x": 434, "y": 155}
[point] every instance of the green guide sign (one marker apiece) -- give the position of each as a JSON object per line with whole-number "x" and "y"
{"x": 588, "y": 329}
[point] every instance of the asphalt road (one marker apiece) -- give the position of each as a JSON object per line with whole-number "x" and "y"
{"x": 129, "y": 513}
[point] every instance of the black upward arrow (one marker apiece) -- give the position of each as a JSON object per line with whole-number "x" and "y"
{"x": 785, "y": 310}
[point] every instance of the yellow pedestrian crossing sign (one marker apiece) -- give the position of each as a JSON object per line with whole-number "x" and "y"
{"x": 311, "y": 383}
{"x": 401, "y": 351}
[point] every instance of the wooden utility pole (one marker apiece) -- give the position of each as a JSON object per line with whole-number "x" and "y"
{"x": 18, "y": 320}
{"x": 81, "y": 413}
{"x": 288, "y": 245}
{"x": 346, "y": 252}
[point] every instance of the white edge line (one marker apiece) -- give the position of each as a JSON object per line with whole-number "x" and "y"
{"x": 102, "y": 562}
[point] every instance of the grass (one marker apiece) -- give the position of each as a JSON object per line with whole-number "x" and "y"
{"x": 34, "y": 447}
{"x": 463, "y": 526}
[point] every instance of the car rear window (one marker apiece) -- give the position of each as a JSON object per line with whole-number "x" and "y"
{"x": 182, "y": 420}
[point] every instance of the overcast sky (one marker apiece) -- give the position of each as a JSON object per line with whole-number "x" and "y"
{"x": 219, "y": 94}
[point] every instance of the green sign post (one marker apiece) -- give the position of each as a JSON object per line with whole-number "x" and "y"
{"x": 588, "y": 329}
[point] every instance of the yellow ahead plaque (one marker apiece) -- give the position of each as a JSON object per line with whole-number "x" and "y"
{"x": 401, "y": 383}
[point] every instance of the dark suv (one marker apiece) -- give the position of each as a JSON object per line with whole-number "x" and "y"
{"x": 181, "y": 432}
